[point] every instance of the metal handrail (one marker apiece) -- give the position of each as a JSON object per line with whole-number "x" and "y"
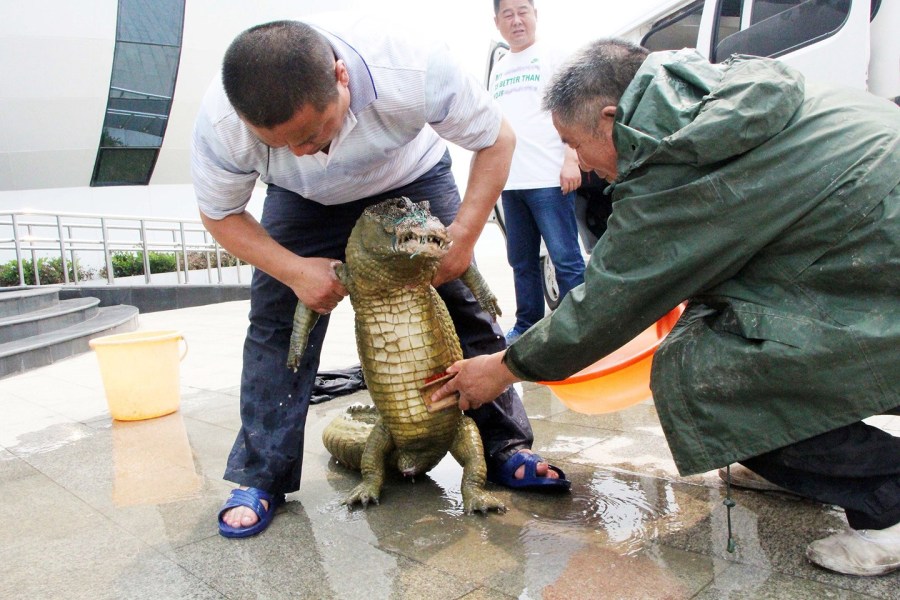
{"x": 29, "y": 236}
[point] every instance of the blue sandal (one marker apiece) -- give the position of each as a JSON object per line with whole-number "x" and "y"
{"x": 506, "y": 474}
{"x": 251, "y": 498}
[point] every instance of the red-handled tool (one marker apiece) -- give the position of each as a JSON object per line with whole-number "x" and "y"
{"x": 431, "y": 384}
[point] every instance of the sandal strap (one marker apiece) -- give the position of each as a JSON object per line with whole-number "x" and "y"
{"x": 531, "y": 462}
{"x": 529, "y": 459}
{"x": 251, "y": 498}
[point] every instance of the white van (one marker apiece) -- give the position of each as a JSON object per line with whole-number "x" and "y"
{"x": 850, "y": 42}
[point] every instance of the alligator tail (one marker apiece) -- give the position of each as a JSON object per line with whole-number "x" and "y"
{"x": 304, "y": 321}
{"x": 345, "y": 437}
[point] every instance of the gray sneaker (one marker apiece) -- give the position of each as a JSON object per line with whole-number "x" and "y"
{"x": 743, "y": 477}
{"x": 865, "y": 552}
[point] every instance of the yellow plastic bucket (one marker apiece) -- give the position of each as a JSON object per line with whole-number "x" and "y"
{"x": 140, "y": 372}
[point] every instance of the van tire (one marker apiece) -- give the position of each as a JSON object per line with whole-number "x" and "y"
{"x": 548, "y": 282}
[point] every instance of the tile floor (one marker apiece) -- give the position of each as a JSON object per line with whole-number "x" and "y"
{"x": 97, "y": 508}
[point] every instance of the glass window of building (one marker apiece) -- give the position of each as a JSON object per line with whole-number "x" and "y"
{"x": 145, "y": 67}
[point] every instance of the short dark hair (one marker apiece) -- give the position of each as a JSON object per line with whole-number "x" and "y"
{"x": 272, "y": 70}
{"x": 497, "y": 6}
{"x": 594, "y": 77}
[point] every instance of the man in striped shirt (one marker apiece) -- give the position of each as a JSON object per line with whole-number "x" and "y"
{"x": 334, "y": 121}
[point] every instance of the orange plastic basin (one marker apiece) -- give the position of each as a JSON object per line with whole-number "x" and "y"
{"x": 618, "y": 380}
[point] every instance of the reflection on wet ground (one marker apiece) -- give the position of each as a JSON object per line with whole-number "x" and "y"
{"x": 95, "y": 508}
{"x": 127, "y": 511}
{"x": 153, "y": 462}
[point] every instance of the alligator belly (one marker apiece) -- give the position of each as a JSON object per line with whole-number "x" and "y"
{"x": 401, "y": 345}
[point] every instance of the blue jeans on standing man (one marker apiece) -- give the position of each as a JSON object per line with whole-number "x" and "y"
{"x": 529, "y": 216}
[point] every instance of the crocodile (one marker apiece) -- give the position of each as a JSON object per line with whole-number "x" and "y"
{"x": 406, "y": 340}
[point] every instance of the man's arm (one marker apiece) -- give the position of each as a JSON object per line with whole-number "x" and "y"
{"x": 487, "y": 176}
{"x": 570, "y": 174}
{"x": 312, "y": 279}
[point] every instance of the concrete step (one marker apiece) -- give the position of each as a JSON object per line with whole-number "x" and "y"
{"x": 18, "y": 301}
{"x": 46, "y": 348}
{"x": 45, "y": 320}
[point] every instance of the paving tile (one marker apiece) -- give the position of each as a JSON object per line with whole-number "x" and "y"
{"x": 539, "y": 402}
{"x": 597, "y": 571}
{"x": 141, "y": 475}
{"x": 13, "y": 468}
{"x": 41, "y": 430}
{"x": 772, "y": 531}
{"x": 635, "y": 452}
{"x": 214, "y": 407}
{"x": 54, "y": 545}
{"x": 554, "y": 440}
{"x": 108, "y": 564}
{"x": 297, "y": 560}
{"x": 742, "y": 582}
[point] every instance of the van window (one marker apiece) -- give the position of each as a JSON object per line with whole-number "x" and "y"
{"x": 763, "y": 9}
{"x": 780, "y": 26}
{"x": 675, "y": 31}
{"x": 728, "y": 20}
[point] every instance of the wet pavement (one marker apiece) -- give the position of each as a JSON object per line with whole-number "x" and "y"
{"x": 96, "y": 508}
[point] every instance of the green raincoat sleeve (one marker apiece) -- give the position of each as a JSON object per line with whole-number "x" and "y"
{"x": 771, "y": 205}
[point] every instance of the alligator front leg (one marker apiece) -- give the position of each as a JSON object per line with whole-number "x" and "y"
{"x": 378, "y": 447}
{"x": 468, "y": 452}
{"x": 486, "y": 298}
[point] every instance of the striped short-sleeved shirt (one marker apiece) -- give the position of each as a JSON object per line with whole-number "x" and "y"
{"x": 404, "y": 98}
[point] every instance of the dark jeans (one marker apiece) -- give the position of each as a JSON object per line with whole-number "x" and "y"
{"x": 268, "y": 451}
{"x": 529, "y": 216}
{"x": 856, "y": 467}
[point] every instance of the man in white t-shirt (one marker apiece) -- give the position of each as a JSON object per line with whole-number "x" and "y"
{"x": 539, "y": 196}
{"x": 334, "y": 121}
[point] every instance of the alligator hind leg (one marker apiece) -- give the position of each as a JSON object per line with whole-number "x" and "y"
{"x": 378, "y": 446}
{"x": 469, "y": 452}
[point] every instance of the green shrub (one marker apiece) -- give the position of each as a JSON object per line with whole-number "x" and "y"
{"x": 204, "y": 260}
{"x": 161, "y": 262}
{"x": 126, "y": 264}
{"x": 49, "y": 269}
{"x": 9, "y": 273}
{"x": 129, "y": 264}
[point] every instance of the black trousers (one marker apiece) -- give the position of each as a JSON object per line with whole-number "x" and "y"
{"x": 268, "y": 451}
{"x": 856, "y": 467}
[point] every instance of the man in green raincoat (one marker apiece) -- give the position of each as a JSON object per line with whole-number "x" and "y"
{"x": 772, "y": 205}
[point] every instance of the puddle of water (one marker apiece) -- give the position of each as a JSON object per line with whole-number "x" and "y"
{"x": 51, "y": 435}
{"x": 628, "y": 510}
{"x": 448, "y": 477}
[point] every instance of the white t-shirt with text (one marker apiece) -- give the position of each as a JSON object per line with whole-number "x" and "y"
{"x": 517, "y": 83}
